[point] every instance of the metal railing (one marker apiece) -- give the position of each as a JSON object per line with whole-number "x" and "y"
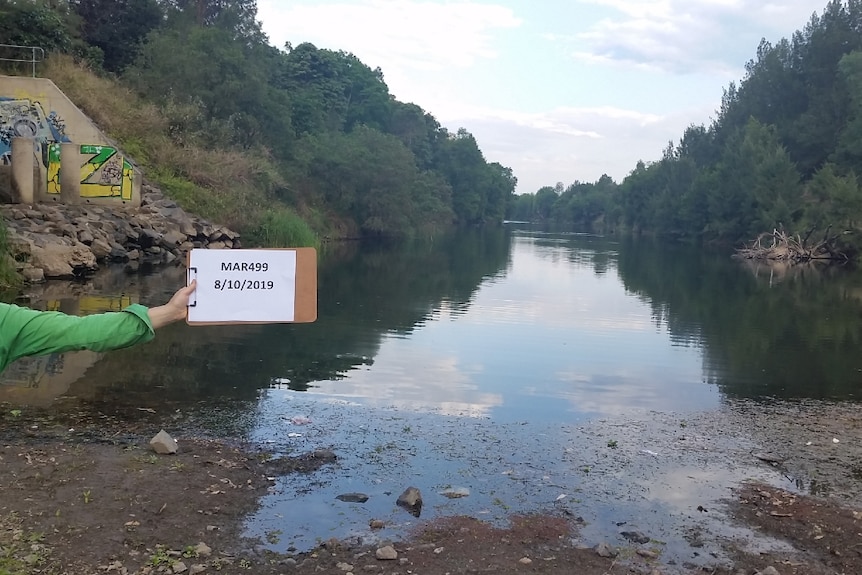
{"x": 37, "y": 54}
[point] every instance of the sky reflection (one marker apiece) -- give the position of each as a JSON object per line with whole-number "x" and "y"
{"x": 550, "y": 339}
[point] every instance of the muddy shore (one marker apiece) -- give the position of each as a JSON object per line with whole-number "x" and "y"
{"x": 81, "y": 492}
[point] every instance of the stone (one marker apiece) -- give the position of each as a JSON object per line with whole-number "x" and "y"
{"x": 411, "y": 500}
{"x": 179, "y": 567}
{"x": 203, "y": 550}
{"x": 197, "y": 568}
{"x": 525, "y": 560}
{"x": 342, "y": 566}
{"x": 33, "y": 275}
{"x": 387, "y": 553}
{"x": 61, "y": 261}
{"x": 769, "y": 571}
{"x": 172, "y": 239}
{"x": 376, "y": 524}
{"x": 635, "y": 536}
{"x": 100, "y": 248}
{"x": 352, "y": 497}
{"x": 216, "y": 245}
{"x": 456, "y": 492}
{"x": 163, "y": 443}
{"x": 85, "y": 237}
{"x": 605, "y": 550}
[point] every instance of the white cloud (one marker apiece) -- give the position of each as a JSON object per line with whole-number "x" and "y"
{"x": 399, "y": 33}
{"x": 688, "y": 36}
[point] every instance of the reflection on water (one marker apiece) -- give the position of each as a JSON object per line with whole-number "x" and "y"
{"x": 503, "y": 360}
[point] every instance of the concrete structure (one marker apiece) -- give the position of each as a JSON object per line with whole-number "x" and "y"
{"x": 69, "y": 158}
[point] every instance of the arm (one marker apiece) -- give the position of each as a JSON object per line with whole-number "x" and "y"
{"x": 175, "y": 310}
{"x": 24, "y": 331}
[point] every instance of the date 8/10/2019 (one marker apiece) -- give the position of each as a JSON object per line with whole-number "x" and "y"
{"x": 243, "y": 285}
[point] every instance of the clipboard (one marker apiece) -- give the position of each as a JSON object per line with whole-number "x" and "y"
{"x": 252, "y": 286}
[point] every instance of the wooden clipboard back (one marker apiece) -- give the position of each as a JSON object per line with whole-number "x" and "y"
{"x": 305, "y": 288}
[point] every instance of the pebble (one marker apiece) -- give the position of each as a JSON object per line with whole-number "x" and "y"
{"x": 387, "y": 553}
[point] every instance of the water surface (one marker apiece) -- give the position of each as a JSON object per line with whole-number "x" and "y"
{"x": 539, "y": 370}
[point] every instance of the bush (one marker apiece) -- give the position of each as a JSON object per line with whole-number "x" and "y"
{"x": 281, "y": 228}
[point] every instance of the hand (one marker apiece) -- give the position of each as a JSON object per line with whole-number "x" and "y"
{"x": 176, "y": 308}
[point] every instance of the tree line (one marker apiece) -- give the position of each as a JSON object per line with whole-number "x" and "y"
{"x": 783, "y": 152}
{"x": 350, "y": 158}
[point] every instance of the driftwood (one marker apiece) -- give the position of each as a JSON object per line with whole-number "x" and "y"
{"x": 783, "y": 247}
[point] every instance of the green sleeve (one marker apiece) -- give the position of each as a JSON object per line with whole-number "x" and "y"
{"x": 24, "y": 331}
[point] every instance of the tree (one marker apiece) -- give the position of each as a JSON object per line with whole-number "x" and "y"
{"x": 117, "y": 27}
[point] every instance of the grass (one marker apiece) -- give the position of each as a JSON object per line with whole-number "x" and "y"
{"x": 174, "y": 147}
{"x": 21, "y": 551}
{"x": 282, "y": 227}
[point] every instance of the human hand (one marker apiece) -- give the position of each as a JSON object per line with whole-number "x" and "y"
{"x": 176, "y": 308}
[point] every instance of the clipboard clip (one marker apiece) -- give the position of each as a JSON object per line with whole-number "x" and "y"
{"x": 192, "y": 275}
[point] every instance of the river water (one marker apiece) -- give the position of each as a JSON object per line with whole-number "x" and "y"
{"x": 611, "y": 380}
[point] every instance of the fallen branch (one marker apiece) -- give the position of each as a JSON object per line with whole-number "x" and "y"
{"x": 792, "y": 249}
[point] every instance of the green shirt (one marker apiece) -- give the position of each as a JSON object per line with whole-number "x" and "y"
{"x": 24, "y": 331}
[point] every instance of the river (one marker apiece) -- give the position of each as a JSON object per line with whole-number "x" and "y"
{"x": 610, "y": 379}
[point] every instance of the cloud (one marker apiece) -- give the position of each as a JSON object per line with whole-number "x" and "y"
{"x": 565, "y": 143}
{"x": 402, "y": 33}
{"x": 687, "y": 36}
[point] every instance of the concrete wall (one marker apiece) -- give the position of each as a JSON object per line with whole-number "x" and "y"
{"x": 36, "y": 108}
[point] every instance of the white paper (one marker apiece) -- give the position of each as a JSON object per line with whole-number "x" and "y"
{"x": 243, "y": 285}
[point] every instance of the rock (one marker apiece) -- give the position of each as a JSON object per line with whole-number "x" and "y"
{"x": 33, "y": 275}
{"x": 197, "y": 568}
{"x": 635, "y": 536}
{"x": 163, "y": 443}
{"x": 352, "y": 497}
{"x": 456, "y": 492}
{"x": 179, "y": 567}
{"x": 525, "y": 560}
{"x": 172, "y": 239}
{"x": 605, "y": 550}
{"x": 646, "y": 553}
{"x": 411, "y": 500}
{"x": 100, "y": 248}
{"x": 203, "y": 550}
{"x": 376, "y": 524}
{"x": 387, "y": 553}
{"x": 62, "y": 261}
{"x": 769, "y": 571}
{"x": 341, "y": 565}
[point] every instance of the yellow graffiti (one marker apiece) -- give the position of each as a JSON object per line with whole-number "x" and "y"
{"x": 53, "y": 168}
{"x": 105, "y": 174}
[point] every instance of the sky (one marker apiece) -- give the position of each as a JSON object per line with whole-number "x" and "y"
{"x": 557, "y": 90}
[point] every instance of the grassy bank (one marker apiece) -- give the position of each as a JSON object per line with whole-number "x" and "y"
{"x": 237, "y": 188}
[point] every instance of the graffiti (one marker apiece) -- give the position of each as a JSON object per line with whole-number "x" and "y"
{"x": 23, "y": 117}
{"x": 105, "y": 174}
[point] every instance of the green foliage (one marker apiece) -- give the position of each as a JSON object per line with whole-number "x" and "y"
{"x": 281, "y": 228}
{"x": 252, "y": 136}
{"x": 117, "y": 27}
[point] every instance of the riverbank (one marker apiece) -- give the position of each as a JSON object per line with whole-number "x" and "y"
{"x": 60, "y": 241}
{"x": 82, "y": 492}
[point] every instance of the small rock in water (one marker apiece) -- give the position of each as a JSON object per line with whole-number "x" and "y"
{"x": 456, "y": 492}
{"x": 635, "y": 536}
{"x": 352, "y": 497}
{"x": 411, "y": 500}
{"x": 163, "y": 443}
